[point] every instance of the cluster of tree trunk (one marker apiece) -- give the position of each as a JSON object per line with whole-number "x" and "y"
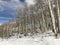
{"x": 38, "y": 18}
{"x": 43, "y": 16}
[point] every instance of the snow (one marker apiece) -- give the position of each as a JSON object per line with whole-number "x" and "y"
{"x": 40, "y": 39}
{"x": 54, "y": 5}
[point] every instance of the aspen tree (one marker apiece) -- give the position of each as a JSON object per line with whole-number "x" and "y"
{"x": 52, "y": 16}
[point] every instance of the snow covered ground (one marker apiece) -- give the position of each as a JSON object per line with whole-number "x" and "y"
{"x": 41, "y": 39}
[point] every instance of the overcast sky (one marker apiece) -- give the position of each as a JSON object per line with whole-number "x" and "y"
{"x": 8, "y": 8}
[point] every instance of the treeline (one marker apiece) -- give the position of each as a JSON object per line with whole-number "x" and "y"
{"x": 38, "y": 18}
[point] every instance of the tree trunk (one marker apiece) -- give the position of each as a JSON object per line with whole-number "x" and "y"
{"x": 52, "y": 16}
{"x": 44, "y": 23}
{"x": 58, "y": 17}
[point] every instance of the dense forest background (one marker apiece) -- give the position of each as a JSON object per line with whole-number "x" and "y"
{"x": 43, "y": 16}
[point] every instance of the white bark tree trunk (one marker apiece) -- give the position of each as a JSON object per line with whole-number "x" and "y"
{"x": 58, "y": 17}
{"x": 52, "y": 16}
{"x": 44, "y": 24}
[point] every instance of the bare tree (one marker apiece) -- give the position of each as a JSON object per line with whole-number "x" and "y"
{"x": 58, "y": 10}
{"x": 52, "y": 16}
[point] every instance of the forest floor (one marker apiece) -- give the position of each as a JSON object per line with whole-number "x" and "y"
{"x": 47, "y": 38}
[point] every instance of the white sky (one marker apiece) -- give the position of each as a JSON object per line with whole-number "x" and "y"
{"x": 30, "y": 2}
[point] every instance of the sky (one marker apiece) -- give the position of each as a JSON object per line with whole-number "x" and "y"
{"x": 8, "y": 8}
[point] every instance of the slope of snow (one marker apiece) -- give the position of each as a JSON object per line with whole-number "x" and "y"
{"x": 42, "y": 39}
